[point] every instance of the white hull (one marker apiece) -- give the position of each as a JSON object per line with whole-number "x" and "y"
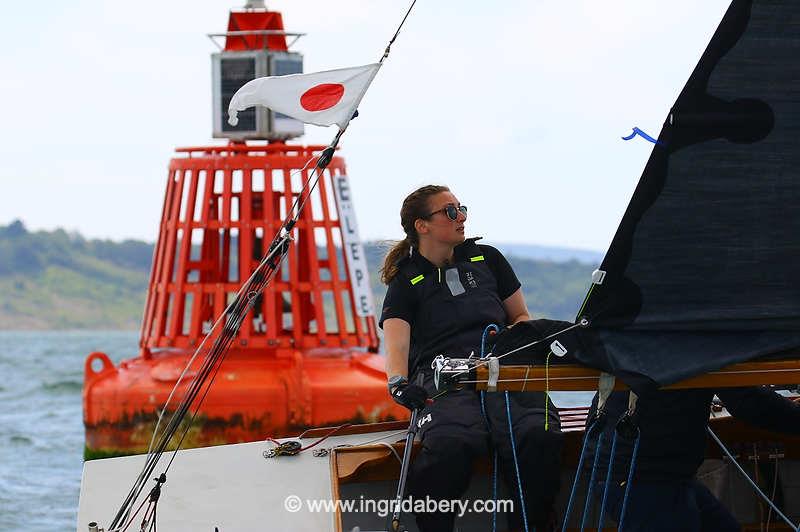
{"x": 231, "y": 487}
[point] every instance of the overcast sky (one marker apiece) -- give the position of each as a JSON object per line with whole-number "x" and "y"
{"x": 517, "y": 105}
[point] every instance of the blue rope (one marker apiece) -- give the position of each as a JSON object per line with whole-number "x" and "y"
{"x": 630, "y": 479}
{"x": 586, "y": 435}
{"x": 592, "y": 476}
{"x": 488, "y": 328}
{"x": 608, "y": 481}
{"x": 516, "y": 464}
{"x": 637, "y": 131}
{"x": 486, "y": 420}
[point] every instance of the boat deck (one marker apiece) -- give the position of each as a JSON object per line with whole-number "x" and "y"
{"x": 234, "y": 487}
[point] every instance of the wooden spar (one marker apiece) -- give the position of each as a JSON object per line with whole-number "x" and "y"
{"x": 579, "y": 378}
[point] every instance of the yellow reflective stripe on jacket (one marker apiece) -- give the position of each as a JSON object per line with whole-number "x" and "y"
{"x": 476, "y": 259}
{"x": 417, "y": 279}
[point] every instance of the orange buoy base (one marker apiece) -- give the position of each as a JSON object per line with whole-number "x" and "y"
{"x": 252, "y": 397}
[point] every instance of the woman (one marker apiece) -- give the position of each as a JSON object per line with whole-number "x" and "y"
{"x": 443, "y": 292}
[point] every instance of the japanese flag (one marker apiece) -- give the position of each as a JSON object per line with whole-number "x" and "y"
{"x": 320, "y": 98}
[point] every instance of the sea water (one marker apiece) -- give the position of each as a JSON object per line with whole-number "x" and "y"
{"x": 41, "y": 423}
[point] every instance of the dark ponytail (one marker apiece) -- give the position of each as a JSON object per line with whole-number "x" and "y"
{"x": 415, "y": 206}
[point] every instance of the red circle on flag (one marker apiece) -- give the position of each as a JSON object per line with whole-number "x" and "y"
{"x": 321, "y": 97}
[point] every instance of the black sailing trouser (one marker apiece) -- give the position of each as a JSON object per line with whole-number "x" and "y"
{"x": 454, "y": 434}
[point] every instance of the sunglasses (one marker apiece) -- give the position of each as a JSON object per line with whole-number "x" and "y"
{"x": 451, "y": 211}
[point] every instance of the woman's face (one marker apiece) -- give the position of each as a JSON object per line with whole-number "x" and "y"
{"x": 439, "y": 227}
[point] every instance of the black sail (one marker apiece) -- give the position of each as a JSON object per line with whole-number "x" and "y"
{"x": 704, "y": 268}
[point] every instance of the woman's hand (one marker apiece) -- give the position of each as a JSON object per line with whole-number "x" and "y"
{"x": 410, "y": 396}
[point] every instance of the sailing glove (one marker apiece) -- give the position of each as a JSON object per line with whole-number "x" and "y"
{"x": 410, "y": 396}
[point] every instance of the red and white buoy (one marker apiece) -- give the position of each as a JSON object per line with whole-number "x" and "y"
{"x": 307, "y": 353}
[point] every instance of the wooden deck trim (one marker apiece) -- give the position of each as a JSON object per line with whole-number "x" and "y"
{"x": 579, "y": 378}
{"x": 334, "y": 466}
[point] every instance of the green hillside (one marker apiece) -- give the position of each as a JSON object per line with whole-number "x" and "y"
{"x": 56, "y": 280}
{"x": 60, "y": 280}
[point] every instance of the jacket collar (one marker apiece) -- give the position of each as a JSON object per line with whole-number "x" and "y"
{"x": 461, "y": 253}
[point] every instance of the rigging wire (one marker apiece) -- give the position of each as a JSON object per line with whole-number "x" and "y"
{"x": 546, "y": 388}
{"x": 190, "y": 391}
{"x": 134, "y": 515}
{"x": 753, "y": 484}
{"x": 233, "y": 316}
{"x": 199, "y": 349}
{"x": 581, "y": 323}
{"x": 213, "y": 360}
{"x": 774, "y": 489}
{"x": 586, "y": 299}
{"x": 396, "y": 33}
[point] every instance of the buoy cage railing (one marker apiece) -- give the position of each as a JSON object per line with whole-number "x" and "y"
{"x": 222, "y": 207}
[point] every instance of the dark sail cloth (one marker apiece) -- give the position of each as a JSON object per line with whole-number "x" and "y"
{"x": 448, "y": 310}
{"x": 702, "y": 271}
{"x": 665, "y": 495}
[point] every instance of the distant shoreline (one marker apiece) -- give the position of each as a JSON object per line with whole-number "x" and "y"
{"x": 59, "y": 281}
